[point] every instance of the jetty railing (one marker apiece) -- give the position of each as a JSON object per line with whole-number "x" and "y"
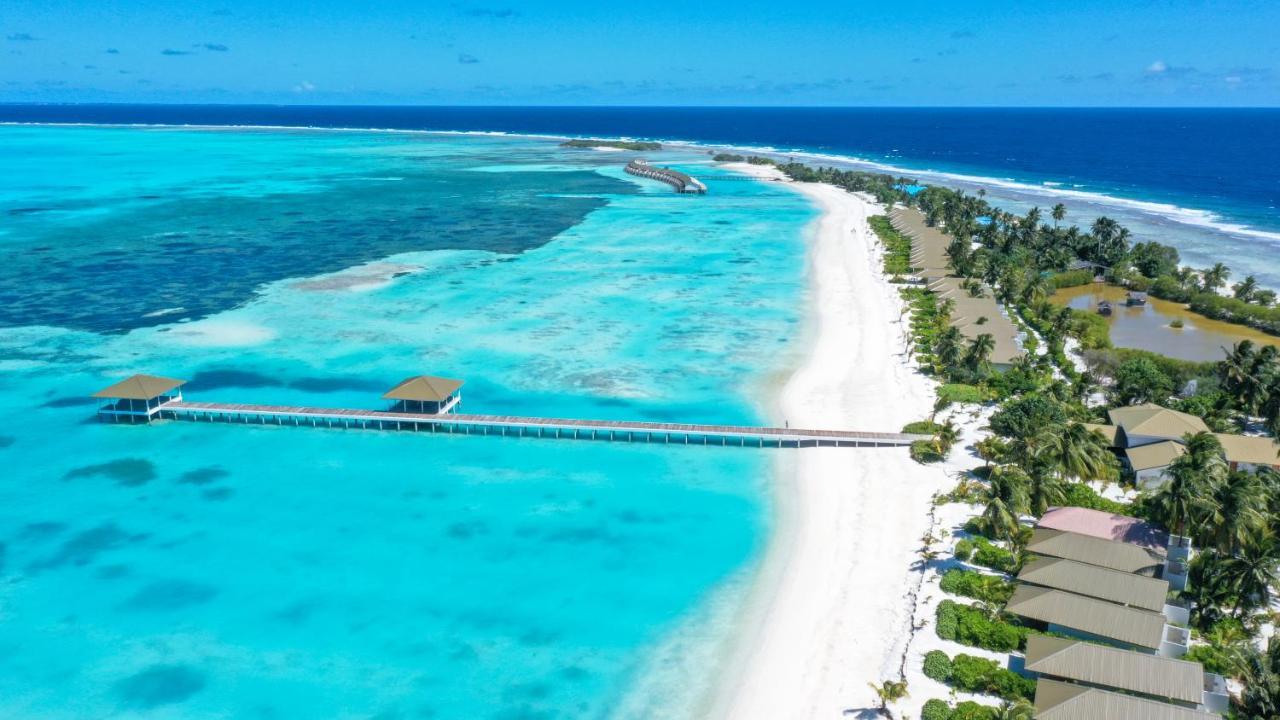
{"x": 516, "y": 426}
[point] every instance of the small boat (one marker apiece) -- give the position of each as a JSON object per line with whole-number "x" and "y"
{"x": 1136, "y": 299}
{"x": 1104, "y": 308}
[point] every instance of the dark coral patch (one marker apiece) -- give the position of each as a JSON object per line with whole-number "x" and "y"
{"x": 170, "y": 595}
{"x": 66, "y": 402}
{"x": 218, "y": 494}
{"x": 129, "y": 472}
{"x": 202, "y": 476}
{"x": 84, "y": 547}
{"x": 159, "y": 685}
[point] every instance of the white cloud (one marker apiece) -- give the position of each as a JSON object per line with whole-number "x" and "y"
{"x": 304, "y": 87}
{"x": 1157, "y": 67}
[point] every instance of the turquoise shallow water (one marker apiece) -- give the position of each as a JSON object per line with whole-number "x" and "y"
{"x": 201, "y": 571}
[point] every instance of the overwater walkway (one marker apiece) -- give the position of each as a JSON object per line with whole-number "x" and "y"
{"x": 515, "y": 426}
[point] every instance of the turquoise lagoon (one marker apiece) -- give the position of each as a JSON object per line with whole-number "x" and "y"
{"x": 207, "y": 571}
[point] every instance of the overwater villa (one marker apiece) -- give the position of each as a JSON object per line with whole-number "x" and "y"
{"x": 425, "y": 394}
{"x": 138, "y": 398}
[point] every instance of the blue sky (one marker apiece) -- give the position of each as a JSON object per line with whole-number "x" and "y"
{"x": 706, "y": 52}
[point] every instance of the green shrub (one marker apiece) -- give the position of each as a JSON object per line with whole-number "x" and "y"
{"x": 970, "y": 710}
{"x": 969, "y": 626}
{"x": 1091, "y": 329}
{"x": 962, "y": 393}
{"x": 921, "y": 427}
{"x": 937, "y": 666}
{"x": 1071, "y": 278}
{"x": 974, "y": 525}
{"x": 993, "y": 556}
{"x": 936, "y": 710}
{"x": 923, "y": 451}
{"x": 980, "y": 675}
{"x": 976, "y": 585}
{"x": 964, "y": 550}
{"x": 1024, "y": 416}
{"x": 1213, "y": 659}
{"x": 1081, "y": 495}
{"x": 1232, "y": 310}
{"x": 897, "y": 256}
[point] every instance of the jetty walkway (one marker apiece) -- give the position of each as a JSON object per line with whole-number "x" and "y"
{"x": 538, "y": 427}
{"x": 678, "y": 180}
{"x": 426, "y": 404}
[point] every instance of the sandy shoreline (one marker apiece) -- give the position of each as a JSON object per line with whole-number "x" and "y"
{"x": 831, "y": 608}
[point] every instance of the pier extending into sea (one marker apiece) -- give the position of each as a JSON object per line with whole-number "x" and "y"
{"x": 144, "y": 398}
{"x": 681, "y": 182}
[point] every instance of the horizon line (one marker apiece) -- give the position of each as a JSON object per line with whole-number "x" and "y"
{"x": 19, "y": 103}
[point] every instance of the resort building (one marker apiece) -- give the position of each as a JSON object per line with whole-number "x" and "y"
{"x": 1069, "y": 701}
{"x": 1139, "y": 591}
{"x": 1105, "y": 526}
{"x": 138, "y": 398}
{"x": 975, "y": 311}
{"x": 1117, "y": 542}
{"x": 1102, "y": 553}
{"x": 1149, "y": 438}
{"x": 1089, "y": 618}
{"x": 1160, "y": 679}
{"x": 425, "y": 394}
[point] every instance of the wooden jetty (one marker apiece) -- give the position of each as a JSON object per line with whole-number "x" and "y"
{"x": 426, "y": 391}
{"x": 538, "y": 427}
{"x": 681, "y": 182}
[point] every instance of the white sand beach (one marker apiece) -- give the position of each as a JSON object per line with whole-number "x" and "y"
{"x": 832, "y": 608}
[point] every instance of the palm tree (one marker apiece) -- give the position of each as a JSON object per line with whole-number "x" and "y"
{"x": 947, "y": 349}
{"x": 1191, "y": 480}
{"x": 1035, "y": 291}
{"x": 1252, "y": 572}
{"x": 1058, "y": 213}
{"x": 1006, "y": 499}
{"x": 992, "y": 449}
{"x": 1076, "y": 451}
{"x": 979, "y": 353}
{"x": 1207, "y": 588}
{"x": 1046, "y": 490}
{"x": 1017, "y": 710}
{"x": 1246, "y": 289}
{"x": 1215, "y": 277}
{"x": 889, "y": 691}
{"x": 1234, "y": 513}
{"x": 945, "y": 436}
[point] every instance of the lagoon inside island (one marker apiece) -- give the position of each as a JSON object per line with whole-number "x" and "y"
{"x": 203, "y": 570}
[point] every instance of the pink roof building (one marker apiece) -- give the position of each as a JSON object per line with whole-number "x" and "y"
{"x": 1105, "y": 525}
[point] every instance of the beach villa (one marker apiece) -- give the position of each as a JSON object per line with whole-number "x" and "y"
{"x": 1115, "y": 542}
{"x": 1160, "y": 679}
{"x": 1070, "y": 701}
{"x": 973, "y": 314}
{"x": 1097, "y": 620}
{"x": 1105, "y": 578}
{"x": 1149, "y": 438}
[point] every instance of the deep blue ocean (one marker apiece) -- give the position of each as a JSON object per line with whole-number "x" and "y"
{"x": 1204, "y": 180}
